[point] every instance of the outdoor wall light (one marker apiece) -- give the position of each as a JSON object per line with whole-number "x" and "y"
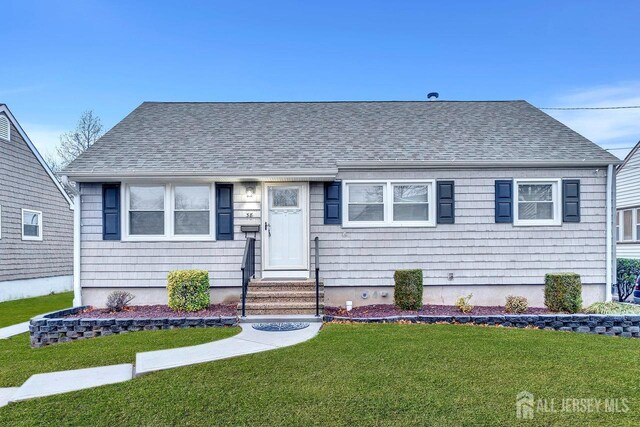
{"x": 250, "y": 191}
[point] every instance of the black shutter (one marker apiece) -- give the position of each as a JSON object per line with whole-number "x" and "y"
{"x": 446, "y": 202}
{"x": 224, "y": 211}
{"x": 110, "y": 212}
{"x": 504, "y": 201}
{"x": 571, "y": 200}
{"x": 333, "y": 202}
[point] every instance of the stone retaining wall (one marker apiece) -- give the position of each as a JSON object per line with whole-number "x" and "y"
{"x": 53, "y": 328}
{"x": 602, "y": 324}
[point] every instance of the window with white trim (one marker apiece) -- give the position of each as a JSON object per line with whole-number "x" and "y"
{"x": 537, "y": 202}
{"x": 31, "y": 225}
{"x": 169, "y": 212}
{"x": 146, "y": 210}
{"x": 628, "y": 225}
{"x": 192, "y": 210}
{"x": 397, "y": 203}
{"x": 410, "y": 202}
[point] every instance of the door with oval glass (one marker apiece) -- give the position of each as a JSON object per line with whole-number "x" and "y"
{"x": 286, "y": 230}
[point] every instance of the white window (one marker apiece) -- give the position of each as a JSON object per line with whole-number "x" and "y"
{"x": 537, "y": 202}
{"x": 31, "y": 225}
{"x": 192, "y": 210}
{"x": 389, "y": 203}
{"x": 366, "y": 202}
{"x": 627, "y": 225}
{"x": 410, "y": 202}
{"x": 146, "y": 210}
{"x": 168, "y": 212}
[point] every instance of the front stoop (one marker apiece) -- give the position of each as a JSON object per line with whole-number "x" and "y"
{"x": 282, "y": 297}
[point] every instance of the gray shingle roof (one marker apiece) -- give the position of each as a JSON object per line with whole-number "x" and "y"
{"x": 241, "y": 137}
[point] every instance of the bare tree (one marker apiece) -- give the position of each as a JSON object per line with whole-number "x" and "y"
{"x": 75, "y": 142}
{"x": 53, "y": 162}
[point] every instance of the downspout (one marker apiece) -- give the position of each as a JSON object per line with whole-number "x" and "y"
{"x": 609, "y": 257}
{"x": 77, "y": 290}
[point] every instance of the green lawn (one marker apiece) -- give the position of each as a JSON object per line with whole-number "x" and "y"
{"x": 18, "y": 361}
{"x": 370, "y": 375}
{"x": 18, "y": 311}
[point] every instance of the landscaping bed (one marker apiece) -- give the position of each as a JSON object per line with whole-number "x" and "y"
{"x": 78, "y": 323}
{"x": 383, "y": 310}
{"x": 153, "y": 311}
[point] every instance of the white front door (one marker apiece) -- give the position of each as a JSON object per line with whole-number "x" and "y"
{"x": 285, "y": 230}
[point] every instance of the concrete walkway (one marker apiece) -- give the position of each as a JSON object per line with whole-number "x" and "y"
{"x": 12, "y": 330}
{"x": 246, "y": 342}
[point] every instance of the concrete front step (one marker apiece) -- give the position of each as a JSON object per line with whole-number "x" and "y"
{"x": 283, "y": 296}
{"x": 275, "y": 287}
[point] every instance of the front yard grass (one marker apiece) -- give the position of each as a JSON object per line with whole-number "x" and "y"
{"x": 384, "y": 374}
{"x": 21, "y": 310}
{"x": 18, "y": 361}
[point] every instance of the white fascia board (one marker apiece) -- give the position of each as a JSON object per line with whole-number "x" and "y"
{"x": 34, "y": 150}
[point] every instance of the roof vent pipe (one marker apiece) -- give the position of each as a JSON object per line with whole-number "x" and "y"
{"x": 433, "y": 96}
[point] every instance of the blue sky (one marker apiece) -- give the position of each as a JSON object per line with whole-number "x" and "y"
{"x": 109, "y": 56}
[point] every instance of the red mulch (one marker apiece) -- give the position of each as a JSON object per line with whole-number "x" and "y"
{"x": 155, "y": 311}
{"x": 384, "y": 310}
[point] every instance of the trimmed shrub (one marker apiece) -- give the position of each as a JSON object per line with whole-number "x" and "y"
{"x": 563, "y": 292}
{"x": 516, "y": 304}
{"x": 188, "y": 290}
{"x": 118, "y": 300}
{"x": 407, "y": 294}
{"x": 463, "y": 304}
{"x": 627, "y": 272}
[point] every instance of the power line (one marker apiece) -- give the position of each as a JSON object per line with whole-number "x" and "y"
{"x": 619, "y": 148}
{"x": 591, "y": 108}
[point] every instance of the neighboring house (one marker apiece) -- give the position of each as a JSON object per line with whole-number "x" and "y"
{"x": 36, "y": 219}
{"x": 484, "y": 197}
{"x": 628, "y": 206}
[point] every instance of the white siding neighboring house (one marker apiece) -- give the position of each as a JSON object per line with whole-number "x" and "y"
{"x": 628, "y": 206}
{"x": 36, "y": 219}
{"x": 483, "y": 197}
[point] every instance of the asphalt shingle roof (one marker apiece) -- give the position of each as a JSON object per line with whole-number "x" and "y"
{"x": 241, "y": 137}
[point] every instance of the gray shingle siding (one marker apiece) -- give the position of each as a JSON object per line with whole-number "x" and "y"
{"x": 475, "y": 249}
{"x": 146, "y": 264}
{"x": 25, "y": 184}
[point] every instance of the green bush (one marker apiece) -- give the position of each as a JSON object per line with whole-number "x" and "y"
{"x": 188, "y": 290}
{"x": 563, "y": 292}
{"x": 408, "y": 289}
{"x": 627, "y": 272}
{"x": 516, "y": 304}
{"x": 612, "y": 308}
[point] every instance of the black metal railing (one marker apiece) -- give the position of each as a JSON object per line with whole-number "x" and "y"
{"x": 317, "y": 263}
{"x": 248, "y": 268}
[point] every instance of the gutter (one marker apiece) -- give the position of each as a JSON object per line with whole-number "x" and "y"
{"x": 255, "y": 175}
{"x": 609, "y": 257}
{"x": 459, "y": 164}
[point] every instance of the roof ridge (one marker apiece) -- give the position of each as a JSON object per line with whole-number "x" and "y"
{"x": 336, "y": 102}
